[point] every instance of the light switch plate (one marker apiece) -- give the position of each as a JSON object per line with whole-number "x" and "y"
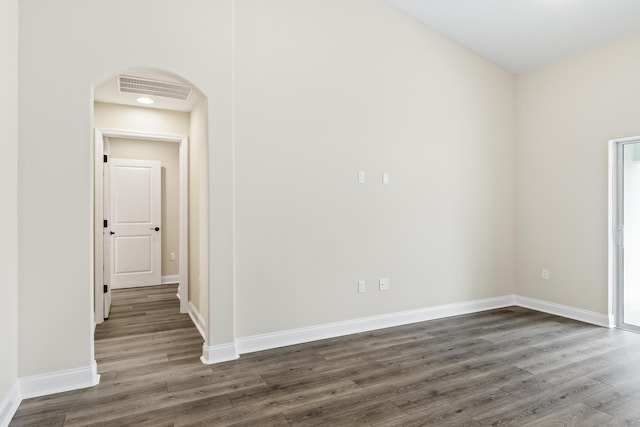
{"x": 361, "y": 286}
{"x": 385, "y": 284}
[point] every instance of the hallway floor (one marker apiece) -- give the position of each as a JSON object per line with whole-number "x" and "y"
{"x": 511, "y": 367}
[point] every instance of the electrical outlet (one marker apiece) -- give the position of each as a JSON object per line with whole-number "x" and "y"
{"x": 544, "y": 275}
{"x": 172, "y": 256}
{"x": 385, "y": 284}
{"x": 361, "y": 286}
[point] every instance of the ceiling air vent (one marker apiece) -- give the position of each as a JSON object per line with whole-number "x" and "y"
{"x": 153, "y": 87}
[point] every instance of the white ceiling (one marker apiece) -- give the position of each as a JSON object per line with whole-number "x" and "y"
{"x": 520, "y": 35}
{"x": 109, "y": 92}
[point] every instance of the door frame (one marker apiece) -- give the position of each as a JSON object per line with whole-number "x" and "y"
{"x": 183, "y": 225}
{"x": 616, "y": 232}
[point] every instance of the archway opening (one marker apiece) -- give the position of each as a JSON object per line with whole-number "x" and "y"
{"x": 148, "y": 111}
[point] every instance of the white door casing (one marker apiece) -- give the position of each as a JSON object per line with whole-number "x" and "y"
{"x": 100, "y": 147}
{"x": 106, "y": 233}
{"x": 624, "y": 231}
{"x": 135, "y": 223}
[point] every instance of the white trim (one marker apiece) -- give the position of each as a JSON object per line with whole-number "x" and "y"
{"x": 183, "y": 232}
{"x": 143, "y": 285}
{"x": 197, "y": 319}
{"x": 234, "y": 299}
{"x": 586, "y": 316}
{"x": 58, "y": 382}
{"x": 218, "y": 353}
{"x": 170, "y": 279}
{"x": 9, "y": 405}
{"x": 614, "y": 259}
{"x": 616, "y": 231}
{"x": 226, "y": 352}
{"x": 98, "y": 229}
{"x": 330, "y": 330}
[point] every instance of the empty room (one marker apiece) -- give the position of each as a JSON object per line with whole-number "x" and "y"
{"x": 320, "y": 212}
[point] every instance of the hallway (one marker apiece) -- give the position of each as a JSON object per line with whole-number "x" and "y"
{"x": 145, "y": 352}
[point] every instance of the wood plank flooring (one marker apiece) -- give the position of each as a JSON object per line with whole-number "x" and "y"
{"x": 507, "y": 367}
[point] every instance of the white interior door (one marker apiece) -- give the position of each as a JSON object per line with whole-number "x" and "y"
{"x": 135, "y": 222}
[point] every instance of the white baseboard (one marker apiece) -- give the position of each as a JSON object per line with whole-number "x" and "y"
{"x": 218, "y": 353}
{"x": 297, "y": 336}
{"x": 170, "y": 279}
{"x": 197, "y": 320}
{"x": 164, "y": 280}
{"x": 586, "y": 316}
{"x": 9, "y": 405}
{"x": 137, "y": 286}
{"x": 57, "y": 382}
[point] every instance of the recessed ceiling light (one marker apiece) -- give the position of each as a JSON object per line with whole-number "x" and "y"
{"x": 144, "y": 100}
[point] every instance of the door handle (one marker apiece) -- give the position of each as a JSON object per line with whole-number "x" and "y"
{"x": 112, "y": 232}
{"x": 155, "y": 228}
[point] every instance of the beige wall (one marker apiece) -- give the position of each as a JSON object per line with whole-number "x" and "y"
{"x": 55, "y": 153}
{"x": 567, "y": 112}
{"x": 198, "y": 205}
{"x": 9, "y": 197}
{"x": 311, "y": 111}
{"x": 378, "y": 92}
{"x": 112, "y": 116}
{"x": 327, "y": 88}
{"x": 168, "y": 153}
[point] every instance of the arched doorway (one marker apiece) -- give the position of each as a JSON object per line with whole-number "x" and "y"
{"x": 178, "y": 115}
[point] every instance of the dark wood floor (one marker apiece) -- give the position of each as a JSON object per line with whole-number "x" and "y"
{"x": 511, "y": 367}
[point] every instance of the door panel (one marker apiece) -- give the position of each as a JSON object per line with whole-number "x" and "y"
{"x": 135, "y": 221}
{"x": 134, "y": 254}
{"x": 132, "y": 201}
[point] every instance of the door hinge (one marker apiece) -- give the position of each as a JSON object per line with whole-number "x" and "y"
{"x": 105, "y": 158}
{"x": 621, "y": 235}
{"x": 105, "y": 223}
{"x": 105, "y": 288}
